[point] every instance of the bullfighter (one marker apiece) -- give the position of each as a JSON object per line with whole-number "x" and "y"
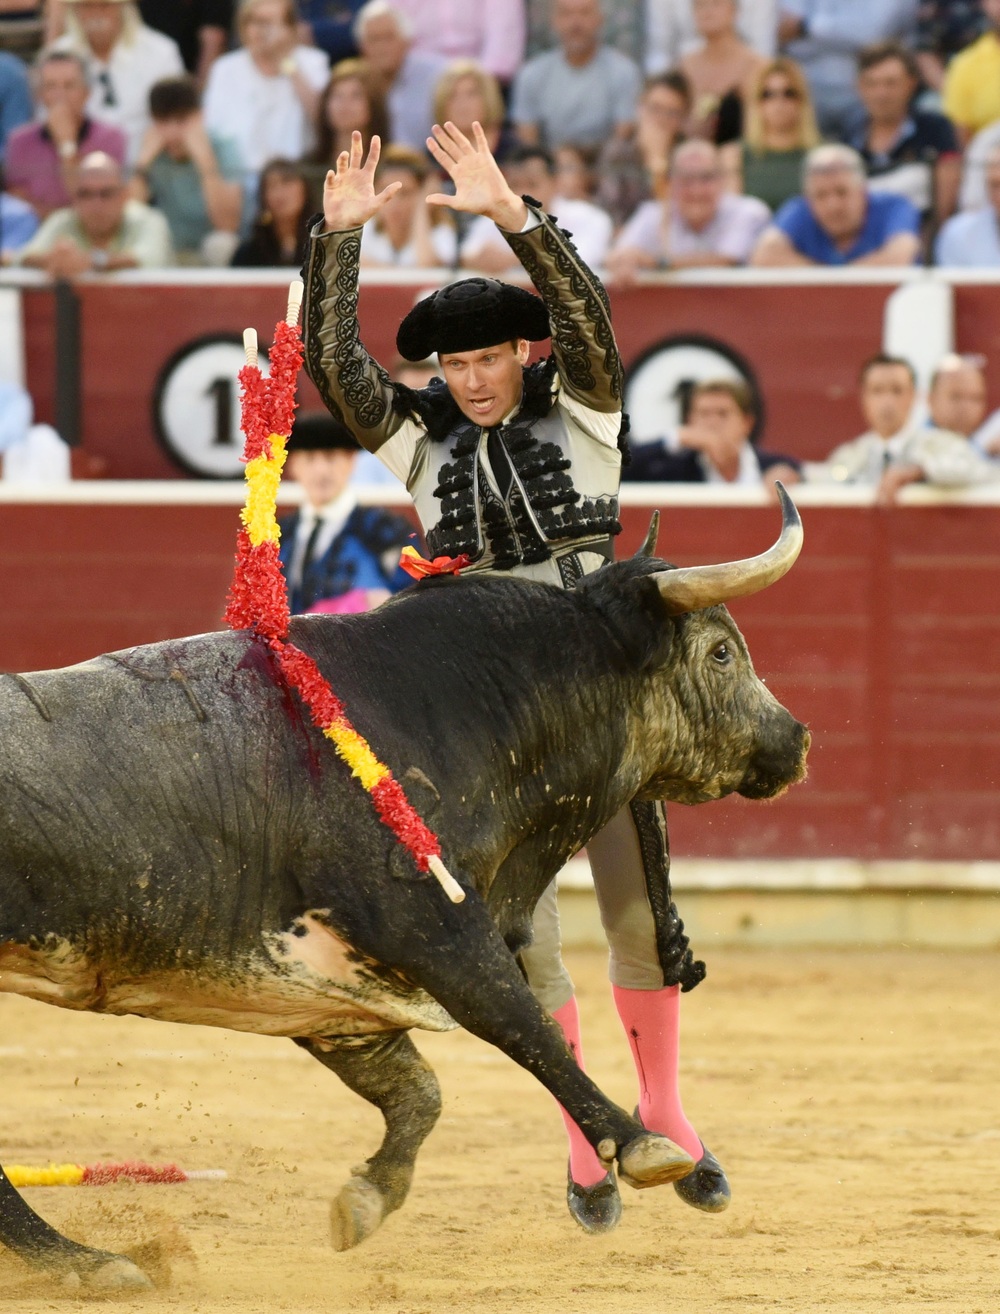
{"x": 517, "y": 468}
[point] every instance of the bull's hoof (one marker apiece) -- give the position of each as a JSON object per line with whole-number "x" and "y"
{"x": 596, "y": 1208}
{"x": 104, "y": 1274}
{"x": 707, "y": 1187}
{"x": 652, "y": 1160}
{"x": 356, "y": 1213}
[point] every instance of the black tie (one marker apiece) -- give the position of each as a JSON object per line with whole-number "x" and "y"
{"x": 499, "y": 462}
{"x": 310, "y": 552}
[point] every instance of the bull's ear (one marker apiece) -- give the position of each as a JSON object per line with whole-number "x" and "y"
{"x": 648, "y": 548}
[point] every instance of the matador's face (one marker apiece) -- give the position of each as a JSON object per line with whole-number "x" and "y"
{"x": 486, "y": 383}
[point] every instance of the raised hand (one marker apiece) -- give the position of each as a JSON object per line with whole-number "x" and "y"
{"x": 349, "y": 196}
{"x": 480, "y": 187}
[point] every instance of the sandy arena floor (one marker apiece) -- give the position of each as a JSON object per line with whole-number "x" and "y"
{"x": 853, "y": 1097}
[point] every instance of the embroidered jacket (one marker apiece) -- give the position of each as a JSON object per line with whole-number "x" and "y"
{"x": 562, "y": 444}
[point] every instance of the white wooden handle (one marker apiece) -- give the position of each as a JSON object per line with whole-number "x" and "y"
{"x": 446, "y": 880}
{"x": 250, "y": 345}
{"x": 295, "y": 293}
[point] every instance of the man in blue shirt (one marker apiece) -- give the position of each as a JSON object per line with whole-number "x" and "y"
{"x": 971, "y": 239}
{"x": 15, "y": 96}
{"x": 838, "y": 220}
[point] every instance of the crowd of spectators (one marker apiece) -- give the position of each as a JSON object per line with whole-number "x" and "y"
{"x": 664, "y": 133}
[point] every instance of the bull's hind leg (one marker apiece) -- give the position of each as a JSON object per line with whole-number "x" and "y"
{"x": 389, "y": 1072}
{"x": 40, "y": 1245}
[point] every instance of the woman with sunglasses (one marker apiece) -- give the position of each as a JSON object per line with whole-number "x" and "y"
{"x": 780, "y": 129}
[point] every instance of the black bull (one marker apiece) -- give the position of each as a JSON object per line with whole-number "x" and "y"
{"x": 179, "y": 842}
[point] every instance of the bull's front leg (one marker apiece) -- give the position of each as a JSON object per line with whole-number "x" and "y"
{"x": 33, "y": 1240}
{"x": 389, "y": 1072}
{"x": 458, "y": 956}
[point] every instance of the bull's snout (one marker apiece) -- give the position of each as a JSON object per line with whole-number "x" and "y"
{"x": 779, "y": 760}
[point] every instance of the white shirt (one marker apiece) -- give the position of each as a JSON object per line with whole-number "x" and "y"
{"x": 332, "y": 518}
{"x": 120, "y": 86}
{"x": 377, "y": 250}
{"x": 263, "y": 115}
{"x": 671, "y": 32}
{"x": 590, "y": 226}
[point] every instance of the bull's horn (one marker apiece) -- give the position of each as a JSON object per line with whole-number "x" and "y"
{"x": 648, "y": 548}
{"x": 696, "y": 587}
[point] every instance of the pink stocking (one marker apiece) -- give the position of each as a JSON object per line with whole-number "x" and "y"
{"x": 651, "y": 1019}
{"x": 585, "y": 1167}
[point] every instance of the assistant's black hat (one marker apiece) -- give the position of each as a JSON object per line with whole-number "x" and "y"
{"x": 469, "y": 315}
{"x": 320, "y": 433}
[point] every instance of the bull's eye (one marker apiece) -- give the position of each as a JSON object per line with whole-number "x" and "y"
{"x": 721, "y": 654}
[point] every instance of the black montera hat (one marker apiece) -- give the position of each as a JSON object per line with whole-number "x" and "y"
{"x": 469, "y": 315}
{"x": 320, "y": 433}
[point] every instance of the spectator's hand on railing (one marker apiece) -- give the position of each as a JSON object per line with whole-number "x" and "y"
{"x": 349, "y": 196}
{"x": 67, "y": 260}
{"x": 480, "y": 187}
{"x": 787, "y": 474}
{"x": 895, "y": 478}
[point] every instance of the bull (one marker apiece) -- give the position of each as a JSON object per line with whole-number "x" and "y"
{"x": 179, "y": 842}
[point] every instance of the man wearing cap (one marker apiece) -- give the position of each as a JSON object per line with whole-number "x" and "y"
{"x": 517, "y": 467}
{"x": 337, "y": 556}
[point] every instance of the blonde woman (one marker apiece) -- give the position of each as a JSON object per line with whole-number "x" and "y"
{"x": 780, "y": 130}
{"x": 466, "y": 93}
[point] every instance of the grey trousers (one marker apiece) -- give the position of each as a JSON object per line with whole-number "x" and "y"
{"x": 630, "y": 864}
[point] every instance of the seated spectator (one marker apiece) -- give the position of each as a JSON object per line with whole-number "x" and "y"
{"x": 491, "y": 34}
{"x": 43, "y": 157}
{"x": 975, "y": 162}
{"x": 337, "y": 556}
{"x": 329, "y": 24}
{"x": 31, "y": 453}
{"x": 970, "y": 95}
{"x": 124, "y": 58}
{"x": 671, "y": 32}
{"x": 406, "y": 232}
{"x": 18, "y": 225}
{"x": 944, "y": 27}
{"x": 910, "y": 152}
{"x": 192, "y": 178}
{"x": 465, "y": 94}
{"x": 200, "y": 28}
{"x": 956, "y": 400}
{"x": 634, "y": 169}
{"x": 265, "y": 96}
{"x": 895, "y": 450}
{"x": 583, "y": 91}
{"x": 720, "y": 72}
{"x": 826, "y": 36}
{"x": 352, "y": 101}
{"x": 838, "y": 221}
{"x": 22, "y": 27}
{"x": 699, "y": 225}
{"x": 15, "y": 97}
{"x": 972, "y": 239}
{"x": 531, "y": 171}
{"x": 576, "y": 175}
{"x": 102, "y": 231}
{"x": 279, "y": 232}
{"x": 780, "y": 130}
{"x": 713, "y": 445}
{"x": 385, "y": 39}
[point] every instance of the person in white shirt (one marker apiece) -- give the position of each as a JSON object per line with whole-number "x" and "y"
{"x": 265, "y": 96}
{"x": 531, "y": 171}
{"x": 897, "y": 450}
{"x": 123, "y": 57}
{"x": 671, "y": 32}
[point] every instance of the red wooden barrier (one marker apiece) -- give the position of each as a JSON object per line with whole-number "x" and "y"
{"x": 884, "y": 638}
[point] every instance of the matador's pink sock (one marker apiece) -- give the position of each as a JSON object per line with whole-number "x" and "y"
{"x": 651, "y": 1019}
{"x": 585, "y": 1167}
